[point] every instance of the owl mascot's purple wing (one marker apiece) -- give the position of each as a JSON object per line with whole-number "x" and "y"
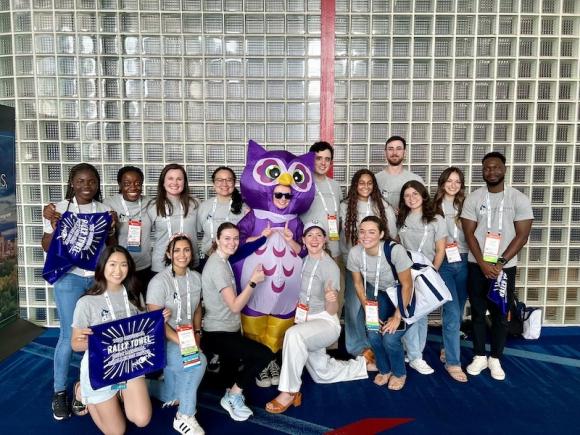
{"x": 270, "y": 310}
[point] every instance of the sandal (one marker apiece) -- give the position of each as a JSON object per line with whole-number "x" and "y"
{"x": 275, "y": 407}
{"x": 456, "y": 373}
{"x": 396, "y": 383}
{"x": 77, "y": 406}
{"x": 382, "y": 379}
{"x": 369, "y": 357}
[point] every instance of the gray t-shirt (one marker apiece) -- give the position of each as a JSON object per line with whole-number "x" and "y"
{"x": 161, "y": 291}
{"x": 450, "y": 214}
{"x": 391, "y": 185}
{"x": 93, "y": 310}
{"x": 330, "y": 191}
{"x": 217, "y": 275}
{"x": 64, "y": 205}
{"x": 161, "y": 228}
{"x": 365, "y": 209}
{"x": 209, "y": 219}
{"x": 413, "y": 231}
{"x": 516, "y": 207}
{"x": 399, "y": 257}
{"x": 136, "y": 211}
{"x": 326, "y": 271}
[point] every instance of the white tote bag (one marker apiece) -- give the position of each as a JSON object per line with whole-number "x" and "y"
{"x": 532, "y": 318}
{"x": 429, "y": 289}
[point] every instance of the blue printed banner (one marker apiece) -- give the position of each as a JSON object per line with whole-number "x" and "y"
{"x": 498, "y": 292}
{"x": 78, "y": 240}
{"x": 125, "y": 349}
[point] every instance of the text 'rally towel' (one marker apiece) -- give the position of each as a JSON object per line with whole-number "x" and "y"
{"x": 77, "y": 241}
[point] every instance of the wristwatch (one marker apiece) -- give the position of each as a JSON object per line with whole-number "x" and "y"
{"x": 502, "y": 261}
{"x": 252, "y": 284}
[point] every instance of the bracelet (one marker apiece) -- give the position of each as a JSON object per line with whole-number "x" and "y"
{"x": 197, "y": 331}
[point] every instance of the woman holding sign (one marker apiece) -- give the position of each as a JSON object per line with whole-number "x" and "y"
{"x": 449, "y": 203}
{"x": 114, "y": 296}
{"x": 372, "y": 276}
{"x": 317, "y": 326}
{"x": 83, "y": 196}
{"x": 178, "y": 288}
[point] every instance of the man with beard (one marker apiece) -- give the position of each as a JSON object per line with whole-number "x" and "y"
{"x": 392, "y": 178}
{"x": 496, "y": 221}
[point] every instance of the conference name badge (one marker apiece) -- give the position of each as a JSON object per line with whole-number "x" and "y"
{"x": 332, "y": 227}
{"x": 134, "y": 236}
{"x": 188, "y": 347}
{"x": 301, "y": 313}
{"x": 491, "y": 247}
{"x": 372, "y": 315}
{"x": 452, "y": 252}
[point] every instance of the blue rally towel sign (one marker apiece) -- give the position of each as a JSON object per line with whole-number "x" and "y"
{"x": 498, "y": 292}
{"x": 125, "y": 349}
{"x": 78, "y": 240}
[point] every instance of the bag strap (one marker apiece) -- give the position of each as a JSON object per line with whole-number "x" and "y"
{"x": 409, "y": 311}
{"x": 388, "y": 248}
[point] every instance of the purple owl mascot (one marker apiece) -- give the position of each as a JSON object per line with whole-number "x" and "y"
{"x": 270, "y": 310}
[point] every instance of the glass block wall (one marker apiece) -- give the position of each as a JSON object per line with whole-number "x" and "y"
{"x": 147, "y": 82}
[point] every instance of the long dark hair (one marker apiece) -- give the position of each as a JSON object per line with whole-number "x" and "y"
{"x": 427, "y": 209}
{"x": 237, "y": 201}
{"x": 185, "y": 196}
{"x": 350, "y": 224}
{"x": 171, "y": 250}
{"x": 131, "y": 282}
{"x": 440, "y": 194}
{"x": 70, "y": 193}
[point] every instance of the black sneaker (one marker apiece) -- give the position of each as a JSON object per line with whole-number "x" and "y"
{"x": 60, "y": 406}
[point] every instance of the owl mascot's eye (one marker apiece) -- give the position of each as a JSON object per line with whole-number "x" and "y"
{"x": 298, "y": 176}
{"x": 273, "y": 171}
{"x": 301, "y": 176}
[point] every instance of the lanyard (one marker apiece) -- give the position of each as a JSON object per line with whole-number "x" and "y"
{"x": 488, "y": 205}
{"x": 324, "y": 202}
{"x": 309, "y": 289}
{"x": 76, "y": 204}
{"x": 126, "y": 208}
{"x": 368, "y": 207}
{"x": 110, "y": 305}
{"x": 211, "y": 216}
{"x": 377, "y": 273}
{"x": 168, "y": 220}
{"x": 178, "y": 299}
{"x": 455, "y": 230}
{"x": 424, "y": 239}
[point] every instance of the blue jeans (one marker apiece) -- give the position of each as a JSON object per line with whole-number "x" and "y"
{"x": 179, "y": 384}
{"x": 415, "y": 339}
{"x": 388, "y": 348}
{"x": 67, "y": 291}
{"x": 354, "y": 320}
{"x": 455, "y": 277}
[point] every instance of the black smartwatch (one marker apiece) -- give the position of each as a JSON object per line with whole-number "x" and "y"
{"x": 502, "y": 261}
{"x": 252, "y": 284}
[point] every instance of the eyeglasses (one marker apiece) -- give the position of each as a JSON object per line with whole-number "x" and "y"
{"x": 280, "y": 195}
{"x": 224, "y": 181}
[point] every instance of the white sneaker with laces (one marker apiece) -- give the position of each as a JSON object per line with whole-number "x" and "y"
{"x": 478, "y": 364}
{"x": 187, "y": 425}
{"x": 263, "y": 380}
{"x": 495, "y": 368}
{"x": 236, "y": 407}
{"x": 274, "y": 370}
{"x": 421, "y": 366}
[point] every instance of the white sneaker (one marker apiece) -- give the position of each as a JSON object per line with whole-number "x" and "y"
{"x": 495, "y": 368}
{"x": 187, "y": 425}
{"x": 236, "y": 407}
{"x": 263, "y": 380}
{"x": 478, "y": 364}
{"x": 274, "y": 370}
{"x": 421, "y": 366}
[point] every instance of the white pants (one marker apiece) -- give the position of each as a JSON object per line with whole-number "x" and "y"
{"x": 305, "y": 345}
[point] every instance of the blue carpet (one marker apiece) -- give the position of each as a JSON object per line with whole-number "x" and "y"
{"x": 540, "y": 395}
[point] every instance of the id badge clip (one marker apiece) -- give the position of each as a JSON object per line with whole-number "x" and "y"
{"x": 332, "y": 227}
{"x": 452, "y": 252}
{"x": 372, "y": 315}
{"x": 301, "y": 313}
{"x": 188, "y": 347}
{"x": 134, "y": 236}
{"x": 491, "y": 247}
